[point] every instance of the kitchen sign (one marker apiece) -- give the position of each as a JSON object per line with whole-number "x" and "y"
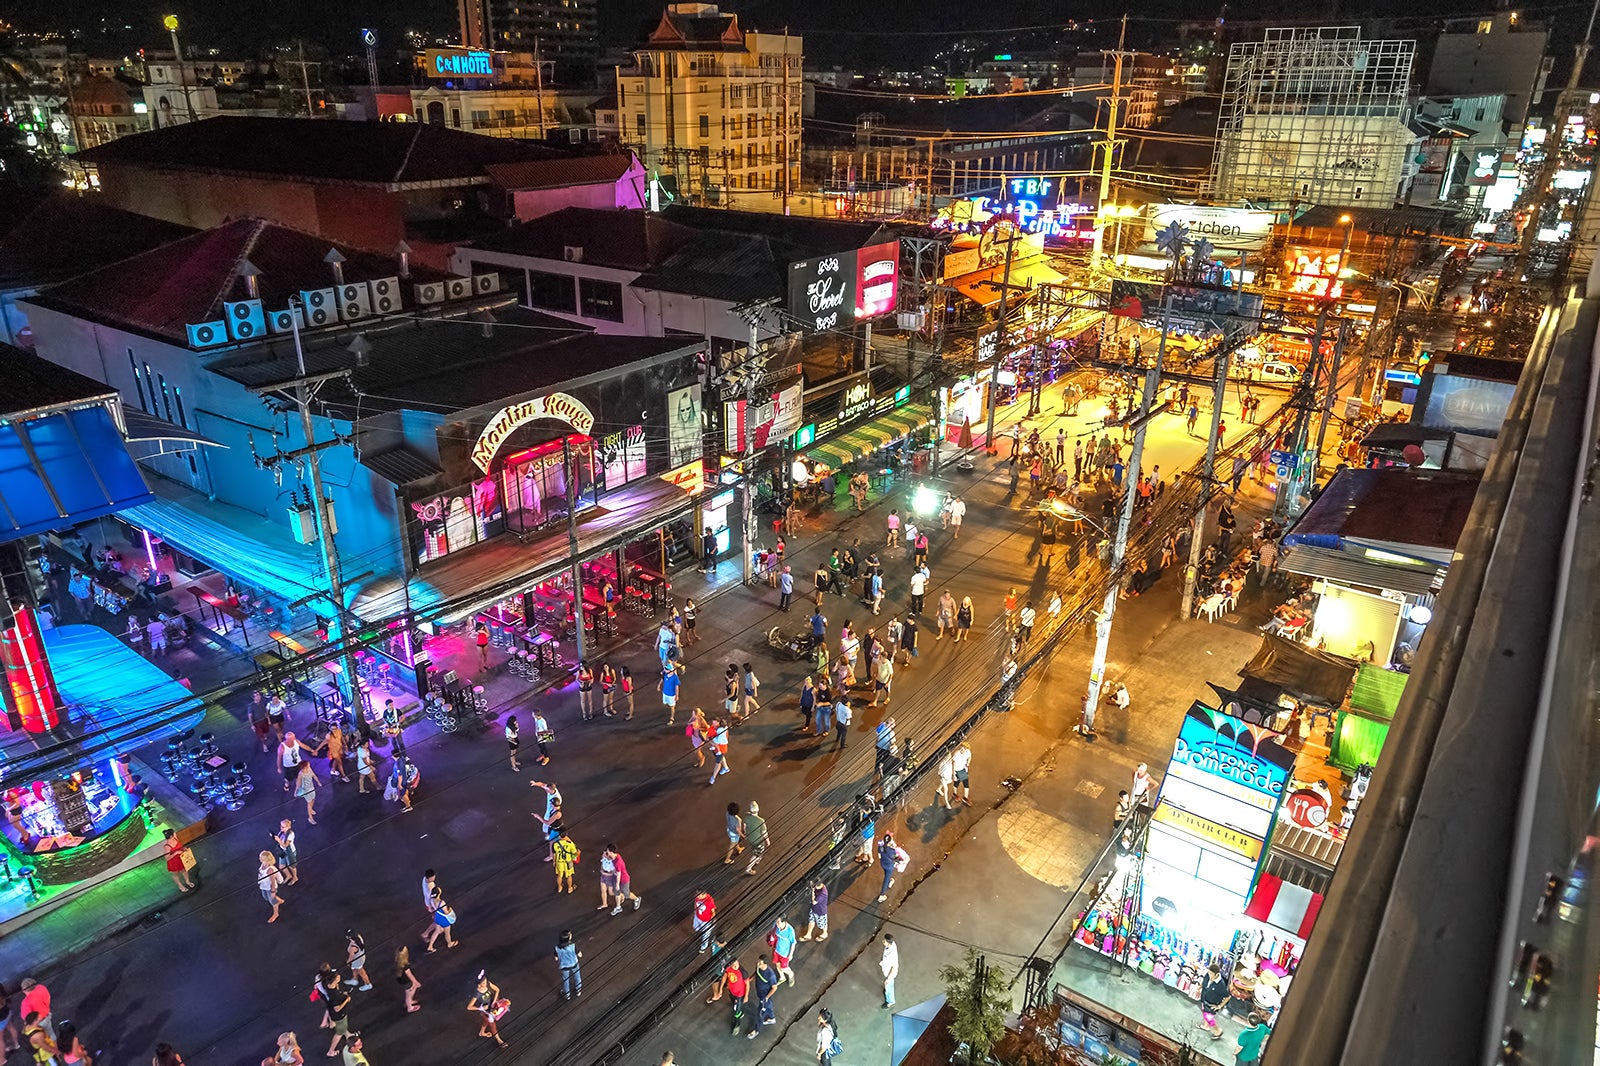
{"x": 1225, "y": 227}
{"x": 558, "y": 406}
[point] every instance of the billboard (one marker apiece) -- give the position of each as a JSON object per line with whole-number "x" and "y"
{"x": 683, "y": 425}
{"x": 1313, "y": 272}
{"x": 1467, "y": 405}
{"x": 766, "y": 421}
{"x": 442, "y": 63}
{"x": 838, "y": 290}
{"x": 1196, "y": 309}
{"x": 1233, "y": 228}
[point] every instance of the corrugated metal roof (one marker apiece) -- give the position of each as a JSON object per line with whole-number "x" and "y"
{"x": 562, "y": 173}
{"x": 401, "y": 465}
{"x": 1347, "y": 569}
{"x": 33, "y": 383}
{"x": 67, "y": 235}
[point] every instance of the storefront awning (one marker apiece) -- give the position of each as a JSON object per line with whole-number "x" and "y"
{"x": 1377, "y": 690}
{"x": 1304, "y": 673}
{"x": 115, "y": 695}
{"x": 1027, "y": 273}
{"x": 1342, "y": 568}
{"x": 149, "y": 436}
{"x": 240, "y": 543}
{"x": 64, "y": 468}
{"x": 870, "y": 436}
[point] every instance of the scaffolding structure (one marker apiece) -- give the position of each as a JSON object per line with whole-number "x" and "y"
{"x": 1314, "y": 115}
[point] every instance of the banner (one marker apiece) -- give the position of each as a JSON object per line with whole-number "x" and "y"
{"x": 1225, "y": 227}
{"x": 683, "y": 425}
{"x": 763, "y": 422}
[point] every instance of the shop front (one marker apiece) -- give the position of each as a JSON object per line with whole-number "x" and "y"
{"x": 1172, "y": 907}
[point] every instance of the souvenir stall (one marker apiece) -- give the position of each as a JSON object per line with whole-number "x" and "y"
{"x": 1175, "y": 898}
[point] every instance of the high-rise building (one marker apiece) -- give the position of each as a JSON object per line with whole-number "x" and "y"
{"x": 1498, "y": 53}
{"x": 1314, "y": 115}
{"x": 715, "y": 106}
{"x": 564, "y": 33}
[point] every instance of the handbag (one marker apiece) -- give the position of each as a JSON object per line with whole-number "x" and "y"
{"x": 499, "y": 1009}
{"x": 835, "y": 1048}
{"x": 186, "y": 857}
{"x": 546, "y": 736}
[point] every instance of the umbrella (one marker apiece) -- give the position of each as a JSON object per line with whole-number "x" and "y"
{"x": 965, "y": 439}
{"x": 909, "y": 1025}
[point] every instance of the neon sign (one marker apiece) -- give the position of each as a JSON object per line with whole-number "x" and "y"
{"x": 1035, "y": 205}
{"x": 469, "y": 64}
{"x": 558, "y": 405}
{"x": 1314, "y": 274}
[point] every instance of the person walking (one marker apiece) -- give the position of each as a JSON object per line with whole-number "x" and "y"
{"x": 36, "y": 1004}
{"x": 883, "y": 755}
{"x": 513, "y": 740}
{"x": 1213, "y": 996}
{"x": 733, "y": 823}
{"x": 285, "y": 1053}
{"x": 947, "y": 779}
{"x": 750, "y": 688}
{"x": 1142, "y": 791}
{"x": 1077, "y": 460}
{"x": 430, "y": 898}
{"x": 946, "y": 613}
{"x": 1061, "y": 446}
{"x": 287, "y": 853}
{"x": 305, "y": 787}
{"x": 624, "y": 883}
{"x": 691, "y": 617}
{"x": 961, "y": 763}
{"x": 406, "y": 979}
{"x": 487, "y": 1003}
{"x": 829, "y": 1046}
{"x": 817, "y": 917}
{"x": 180, "y": 860}
{"x": 703, "y": 915}
{"x": 719, "y": 750}
{"x": 334, "y": 747}
{"x": 765, "y": 982}
{"x": 889, "y": 966}
{"x": 338, "y": 1003}
{"x": 756, "y": 836}
{"x": 892, "y": 524}
{"x": 444, "y": 922}
{"x": 698, "y": 731}
{"x": 291, "y": 755}
{"x": 883, "y": 677}
{"x": 565, "y": 855}
{"x": 782, "y": 940}
{"x": 567, "y": 960}
{"x": 738, "y": 987}
{"x": 964, "y": 620}
{"x": 919, "y": 558}
{"x": 268, "y": 880}
{"x": 908, "y": 637}
{"x": 808, "y": 702}
{"x": 892, "y": 859}
{"x": 919, "y": 589}
{"x": 669, "y": 685}
{"x": 958, "y": 511}
{"x": 542, "y": 735}
{"x": 366, "y": 767}
{"x": 824, "y": 715}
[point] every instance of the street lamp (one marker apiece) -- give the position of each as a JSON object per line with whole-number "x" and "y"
{"x": 171, "y": 24}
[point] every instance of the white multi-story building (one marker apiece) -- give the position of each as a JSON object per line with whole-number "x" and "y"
{"x": 715, "y": 107}
{"x": 1314, "y": 115}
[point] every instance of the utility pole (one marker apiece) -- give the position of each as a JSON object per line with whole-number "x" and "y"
{"x": 305, "y": 388}
{"x": 1000, "y": 334}
{"x": 572, "y": 544}
{"x": 752, "y": 367}
{"x": 1119, "y": 544}
{"x": 1197, "y": 532}
{"x": 1333, "y": 386}
{"x": 538, "y": 86}
{"x": 305, "y": 78}
{"x": 1109, "y": 148}
{"x": 783, "y": 120}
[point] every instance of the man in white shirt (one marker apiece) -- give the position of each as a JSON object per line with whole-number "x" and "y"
{"x": 919, "y": 589}
{"x": 889, "y": 966}
{"x": 958, "y": 511}
{"x": 961, "y": 761}
{"x": 1025, "y": 620}
{"x": 291, "y": 753}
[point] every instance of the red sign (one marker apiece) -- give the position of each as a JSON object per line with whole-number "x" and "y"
{"x": 29, "y": 679}
{"x": 1307, "y": 808}
{"x": 877, "y": 279}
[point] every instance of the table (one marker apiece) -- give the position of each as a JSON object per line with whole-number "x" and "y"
{"x": 655, "y": 584}
{"x": 544, "y": 648}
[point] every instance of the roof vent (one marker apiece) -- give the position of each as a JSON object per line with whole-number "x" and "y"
{"x": 335, "y": 260}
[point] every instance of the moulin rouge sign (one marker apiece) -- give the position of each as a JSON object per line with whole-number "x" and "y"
{"x": 558, "y": 405}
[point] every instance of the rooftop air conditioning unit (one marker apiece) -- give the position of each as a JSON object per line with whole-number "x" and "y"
{"x": 485, "y": 283}
{"x": 431, "y": 292}
{"x": 458, "y": 288}
{"x": 572, "y": 253}
{"x": 207, "y": 334}
{"x": 246, "y": 320}
{"x": 385, "y": 296}
{"x": 320, "y": 306}
{"x": 355, "y": 301}
{"x": 286, "y": 320}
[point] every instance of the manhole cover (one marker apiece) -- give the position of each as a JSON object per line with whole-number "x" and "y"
{"x": 1090, "y": 789}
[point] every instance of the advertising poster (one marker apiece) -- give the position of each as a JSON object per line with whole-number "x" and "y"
{"x": 683, "y": 425}
{"x": 822, "y": 291}
{"x": 1225, "y": 227}
{"x": 877, "y": 279}
{"x": 765, "y": 421}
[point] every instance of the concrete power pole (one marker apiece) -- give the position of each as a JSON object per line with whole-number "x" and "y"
{"x": 1109, "y": 148}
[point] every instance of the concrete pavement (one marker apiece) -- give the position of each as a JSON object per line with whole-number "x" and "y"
{"x": 217, "y": 981}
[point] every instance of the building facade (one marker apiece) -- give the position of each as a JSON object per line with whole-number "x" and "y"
{"x": 1314, "y": 115}
{"x": 715, "y": 107}
{"x": 566, "y": 33}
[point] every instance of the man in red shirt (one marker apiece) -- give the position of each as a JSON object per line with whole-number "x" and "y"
{"x": 36, "y": 1000}
{"x": 705, "y": 909}
{"x": 738, "y": 992}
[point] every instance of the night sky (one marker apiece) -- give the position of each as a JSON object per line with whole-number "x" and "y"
{"x": 837, "y": 31}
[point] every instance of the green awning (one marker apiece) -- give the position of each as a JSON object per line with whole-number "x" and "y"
{"x": 1377, "y": 691}
{"x": 1357, "y": 740}
{"x": 868, "y": 437}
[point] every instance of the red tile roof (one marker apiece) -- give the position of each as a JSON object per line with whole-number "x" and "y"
{"x": 382, "y": 153}
{"x": 161, "y": 291}
{"x": 562, "y": 173}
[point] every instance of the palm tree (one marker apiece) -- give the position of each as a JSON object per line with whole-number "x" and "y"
{"x": 1172, "y": 240}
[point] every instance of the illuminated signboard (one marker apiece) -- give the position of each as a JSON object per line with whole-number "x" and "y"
{"x": 1224, "y": 227}
{"x": 458, "y": 63}
{"x": 1035, "y": 204}
{"x": 833, "y": 291}
{"x": 878, "y": 273}
{"x": 1315, "y": 273}
{"x": 558, "y": 406}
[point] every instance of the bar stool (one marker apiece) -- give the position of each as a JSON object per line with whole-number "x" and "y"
{"x": 5, "y": 868}
{"x": 171, "y": 762}
{"x": 194, "y": 760}
{"x": 241, "y": 773}
{"x": 480, "y": 701}
{"x": 383, "y": 676}
{"x": 197, "y": 792}
{"x": 28, "y": 873}
{"x": 234, "y": 798}
{"x": 208, "y": 744}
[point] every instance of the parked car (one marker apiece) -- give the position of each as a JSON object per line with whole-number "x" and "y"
{"x": 1275, "y": 373}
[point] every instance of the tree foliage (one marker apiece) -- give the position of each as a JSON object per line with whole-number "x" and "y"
{"x": 980, "y": 1010}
